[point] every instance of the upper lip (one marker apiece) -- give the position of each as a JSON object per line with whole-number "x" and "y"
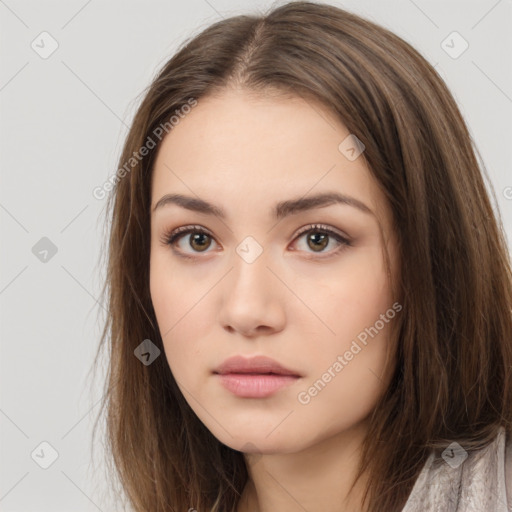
{"x": 255, "y": 364}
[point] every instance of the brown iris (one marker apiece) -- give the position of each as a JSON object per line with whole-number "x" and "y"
{"x": 199, "y": 239}
{"x": 320, "y": 240}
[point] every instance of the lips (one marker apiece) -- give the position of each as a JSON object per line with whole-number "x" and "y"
{"x": 254, "y": 377}
{"x": 257, "y": 365}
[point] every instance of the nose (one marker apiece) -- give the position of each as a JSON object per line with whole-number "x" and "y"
{"x": 252, "y": 301}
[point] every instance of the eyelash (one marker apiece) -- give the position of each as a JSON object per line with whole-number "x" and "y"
{"x": 172, "y": 237}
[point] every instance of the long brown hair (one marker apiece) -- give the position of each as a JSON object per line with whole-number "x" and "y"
{"x": 452, "y": 377}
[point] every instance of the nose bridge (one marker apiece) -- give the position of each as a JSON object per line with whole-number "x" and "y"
{"x": 250, "y": 260}
{"x": 251, "y": 280}
{"x": 250, "y": 250}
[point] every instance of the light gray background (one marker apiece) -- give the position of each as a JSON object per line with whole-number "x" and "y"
{"x": 63, "y": 120}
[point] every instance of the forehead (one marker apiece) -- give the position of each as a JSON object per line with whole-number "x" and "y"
{"x": 236, "y": 148}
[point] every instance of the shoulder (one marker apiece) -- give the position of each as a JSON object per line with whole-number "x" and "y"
{"x": 487, "y": 479}
{"x": 508, "y": 469}
{"x": 459, "y": 481}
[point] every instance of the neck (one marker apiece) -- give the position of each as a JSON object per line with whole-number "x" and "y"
{"x": 317, "y": 478}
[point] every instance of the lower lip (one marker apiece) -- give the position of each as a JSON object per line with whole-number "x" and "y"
{"x": 255, "y": 385}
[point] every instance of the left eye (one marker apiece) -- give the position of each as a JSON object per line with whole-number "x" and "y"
{"x": 318, "y": 238}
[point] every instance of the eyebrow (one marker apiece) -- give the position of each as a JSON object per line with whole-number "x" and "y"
{"x": 281, "y": 209}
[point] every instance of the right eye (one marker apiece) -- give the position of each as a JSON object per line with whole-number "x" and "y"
{"x": 199, "y": 241}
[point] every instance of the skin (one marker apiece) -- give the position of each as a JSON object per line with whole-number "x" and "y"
{"x": 300, "y": 306}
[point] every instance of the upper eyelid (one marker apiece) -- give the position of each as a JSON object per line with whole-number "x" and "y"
{"x": 320, "y": 227}
{"x": 188, "y": 229}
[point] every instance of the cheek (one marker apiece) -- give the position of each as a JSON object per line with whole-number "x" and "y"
{"x": 349, "y": 297}
{"x": 183, "y": 317}
{"x": 346, "y": 377}
{"x": 357, "y": 312}
{"x": 173, "y": 295}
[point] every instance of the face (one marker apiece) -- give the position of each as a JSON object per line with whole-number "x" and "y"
{"x": 304, "y": 284}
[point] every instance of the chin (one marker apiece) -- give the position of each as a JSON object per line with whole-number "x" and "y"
{"x": 257, "y": 440}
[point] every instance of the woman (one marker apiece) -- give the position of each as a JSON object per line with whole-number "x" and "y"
{"x": 309, "y": 295}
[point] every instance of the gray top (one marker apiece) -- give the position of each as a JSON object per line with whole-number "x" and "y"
{"x": 479, "y": 482}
